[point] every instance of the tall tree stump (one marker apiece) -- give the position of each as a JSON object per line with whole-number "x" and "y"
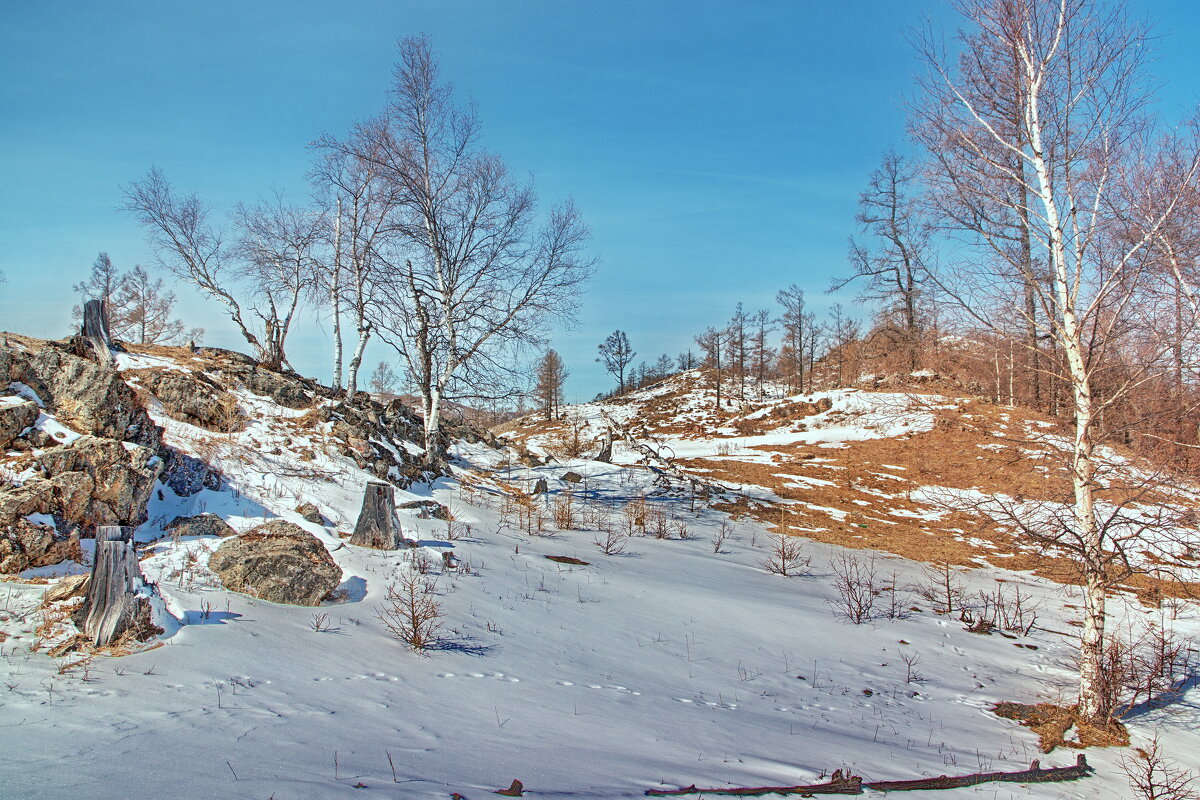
{"x": 378, "y": 526}
{"x": 95, "y": 329}
{"x": 111, "y": 604}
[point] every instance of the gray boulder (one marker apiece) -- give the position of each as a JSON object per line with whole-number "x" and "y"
{"x": 15, "y": 417}
{"x": 25, "y": 544}
{"x": 192, "y": 398}
{"x": 279, "y": 562}
{"x": 206, "y": 524}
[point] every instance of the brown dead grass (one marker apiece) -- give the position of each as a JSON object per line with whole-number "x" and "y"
{"x": 1052, "y": 723}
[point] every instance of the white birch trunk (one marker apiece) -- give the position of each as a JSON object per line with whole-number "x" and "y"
{"x": 335, "y": 296}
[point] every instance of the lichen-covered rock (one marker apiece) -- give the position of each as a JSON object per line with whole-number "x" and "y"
{"x": 186, "y": 475}
{"x": 279, "y": 562}
{"x": 427, "y": 509}
{"x": 192, "y": 398}
{"x": 15, "y": 416}
{"x": 68, "y": 587}
{"x": 87, "y": 397}
{"x": 101, "y": 481}
{"x": 310, "y": 513}
{"x": 206, "y": 524}
{"x": 25, "y": 544}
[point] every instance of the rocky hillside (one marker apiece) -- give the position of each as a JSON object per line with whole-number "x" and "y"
{"x": 83, "y": 445}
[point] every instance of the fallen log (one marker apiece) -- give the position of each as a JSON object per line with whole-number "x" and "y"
{"x": 854, "y": 785}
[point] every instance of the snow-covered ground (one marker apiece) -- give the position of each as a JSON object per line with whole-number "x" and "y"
{"x": 666, "y": 665}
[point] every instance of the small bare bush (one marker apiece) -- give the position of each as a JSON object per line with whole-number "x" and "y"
{"x": 657, "y": 523}
{"x": 1153, "y": 776}
{"x": 786, "y": 557}
{"x": 680, "y": 529}
{"x": 721, "y": 535}
{"x": 612, "y": 541}
{"x": 456, "y": 530}
{"x": 856, "y": 582}
{"x": 634, "y": 516}
{"x": 563, "y": 511}
{"x": 943, "y": 588}
{"x": 411, "y": 613}
{"x": 1145, "y": 664}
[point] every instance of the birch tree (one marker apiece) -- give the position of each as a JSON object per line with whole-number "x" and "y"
{"x": 364, "y": 202}
{"x": 1036, "y": 127}
{"x": 476, "y": 274}
{"x": 278, "y": 246}
{"x": 243, "y": 279}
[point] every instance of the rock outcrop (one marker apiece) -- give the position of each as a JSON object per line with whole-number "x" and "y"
{"x": 279, "y": 562}
{"x": 207, "y": 524}
{"x": 15, "y": 417}
{"x": 193, "y": 398}
{"x": 69, "y": 483}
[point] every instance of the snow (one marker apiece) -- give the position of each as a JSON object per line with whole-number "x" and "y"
{"x": 664, "y": 666}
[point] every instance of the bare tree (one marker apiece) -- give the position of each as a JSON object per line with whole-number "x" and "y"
{"x": 799, "y": 331}
{"x": 278, "y": 244}
{"x": 616, "y": 354}
{"x": 103, "y": 283}
{"x": 146, "y": 310}
{"x": 892, "y": 263}
{"x": 713, "y": 343}
{"x": 551, "y": 374}
{"x": 475, "y": 277}
{"x": 189, "y": 247}
{"x": 1036, "y": 128}
{"x": 384, "y": 379}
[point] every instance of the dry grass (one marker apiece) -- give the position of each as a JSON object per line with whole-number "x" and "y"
{"x": 1052, "y": 723}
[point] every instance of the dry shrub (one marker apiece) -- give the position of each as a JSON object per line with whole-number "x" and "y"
{"x": 1144, "y": 664}
{"x": 611, "y": 539}
{"x": 563, "y": 511}
{"x": 411, "y": 613}
{"x": 857, "y": 585}
{"x": 786, "y": 557}
{"x": 721, "y": 535}
{"x": 1155, "y": 777}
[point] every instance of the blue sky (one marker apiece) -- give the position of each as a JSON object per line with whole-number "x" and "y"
{"x": 716, "y": 149}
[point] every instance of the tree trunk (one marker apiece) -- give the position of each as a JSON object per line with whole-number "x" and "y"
{"x": 111, "y": 604}
{"x": 378, "y": 527}
{"x": 364, "y": 335}
{"x": 95, "y": 329}
{"x": 335, "y": 299}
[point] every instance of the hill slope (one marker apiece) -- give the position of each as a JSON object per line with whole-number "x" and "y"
{"x": 677, "y": 660}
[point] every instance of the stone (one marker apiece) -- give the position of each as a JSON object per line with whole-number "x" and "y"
{"x": 15, "y": 417}
{"x": 428, "y": 509}
{"x": 101, "y": 481}
{"x": 206, "y": 524}
{"x": 310, "y": 513}
{"x": 193, "y": 398}
{"x": 279, "y": 562}
{"x": 67, "y": 588}
{"x": 25, "y": 544}
{"x": 572, "y": 477}
{"x": 89, "y": 398}
{"x": 186, "y": 475}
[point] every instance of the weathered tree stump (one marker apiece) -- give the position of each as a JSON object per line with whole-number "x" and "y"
{"x": 95, "y": 330}
{"x": 605, "y": 454}
{"x": 111, "y": 603}
{"x": 378, "y": 526}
